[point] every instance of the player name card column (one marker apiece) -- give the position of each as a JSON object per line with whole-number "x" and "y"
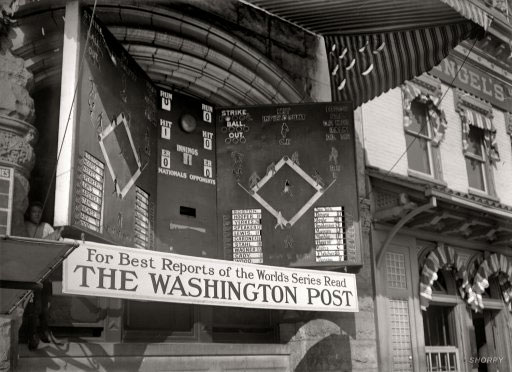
{"x": 89, "y": 193}
{"x": 247, "y": 245}
{"x": 329, "y": 234}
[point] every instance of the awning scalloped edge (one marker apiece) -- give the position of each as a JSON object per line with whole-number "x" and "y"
{"x": 442, "y": 257}
{"x": 470, "y": 11}
{"x": 495, "y": 264}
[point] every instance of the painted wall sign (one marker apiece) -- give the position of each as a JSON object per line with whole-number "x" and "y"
{"x": 113, "y": 271}
{"x": 266, "y": 168}
{"x": 113, "y": 153}
{"x": 475, "y": 81}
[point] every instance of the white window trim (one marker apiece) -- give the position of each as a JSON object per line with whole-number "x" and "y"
{"x": 429, "y": 138}
{"x": 484, "y": 164}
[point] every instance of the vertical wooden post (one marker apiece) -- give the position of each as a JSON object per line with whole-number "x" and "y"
{"x": 67, "y": 116}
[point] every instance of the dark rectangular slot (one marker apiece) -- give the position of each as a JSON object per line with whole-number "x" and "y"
{"x": 187, "y": 211}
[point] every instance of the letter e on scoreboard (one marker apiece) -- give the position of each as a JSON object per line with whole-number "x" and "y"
{"x": 207, "y": 169}
{"x": 165, "y": 161}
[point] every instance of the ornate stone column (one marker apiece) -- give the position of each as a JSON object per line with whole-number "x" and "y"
{"x": 16, "y": 137}
{"x": 16, "y": 115}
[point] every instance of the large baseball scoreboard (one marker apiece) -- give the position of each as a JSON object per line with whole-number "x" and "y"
{"x": 286, "y": 184}
{"x": 157, "y": 169}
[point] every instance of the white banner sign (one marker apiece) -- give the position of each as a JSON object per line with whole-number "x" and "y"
{"x": 111, "y": 271}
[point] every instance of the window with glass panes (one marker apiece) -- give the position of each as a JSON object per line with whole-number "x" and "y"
{"x": 475, "y": 159}
{"x": 418, "y": 139}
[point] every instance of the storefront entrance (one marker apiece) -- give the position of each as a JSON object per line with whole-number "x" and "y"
{"x": 440, "y": 341}
{"x": 485, "y": 355}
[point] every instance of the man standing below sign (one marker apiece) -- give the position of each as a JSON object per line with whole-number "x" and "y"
{"x": 38, "y": 308}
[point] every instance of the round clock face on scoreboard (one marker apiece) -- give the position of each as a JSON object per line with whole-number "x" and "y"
{"x": 188, "y": 123}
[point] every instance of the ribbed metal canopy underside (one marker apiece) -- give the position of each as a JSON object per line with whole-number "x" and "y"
{"x": 372, "y": 45}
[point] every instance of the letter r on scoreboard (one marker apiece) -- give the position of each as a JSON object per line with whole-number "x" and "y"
{"x": 207, "y": 168}
{"x": 165, "y": 161}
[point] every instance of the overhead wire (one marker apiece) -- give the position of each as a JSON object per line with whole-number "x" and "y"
{"x": 59, "y": 153}
{"x": 424, "y": 125}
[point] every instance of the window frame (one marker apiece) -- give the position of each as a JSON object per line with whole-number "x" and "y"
{"x": 425, "y": 89}
{"x": 465, "y": 103}
{"x": 449, "y": 323}
{"x": 484, "y": 164}
{"x": 428, "y": 138}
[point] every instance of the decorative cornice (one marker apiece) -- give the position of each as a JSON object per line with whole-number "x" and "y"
{"x": 469, "y": 101}
{"x": 430, "y": 83}
{"x": 427, "y": 89}
{"x": 16, "y": 144}
{"x": 490, "y": 54}
{"x": 478, "y": 203}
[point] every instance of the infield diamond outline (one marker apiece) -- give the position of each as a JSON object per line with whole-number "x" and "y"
{"x": 281, "y": 221}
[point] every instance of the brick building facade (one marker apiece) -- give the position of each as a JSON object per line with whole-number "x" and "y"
{"x": 441, "y": 218}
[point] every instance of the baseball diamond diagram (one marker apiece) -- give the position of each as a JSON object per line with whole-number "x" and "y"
{"x": 281, "y": 220}
{"x": 116, "y": 138}
{"x": 278, "y": 202}
{"x": 154, "y": 168}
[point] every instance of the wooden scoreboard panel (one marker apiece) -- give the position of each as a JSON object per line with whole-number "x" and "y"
{"x": 113, "y": 183}
{"x": 186, "y": 181}
{"x": 157, "y": 169}
{"x": 286, "y": 189}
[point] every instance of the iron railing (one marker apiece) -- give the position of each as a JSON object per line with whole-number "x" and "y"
{"x": 442, "y": 358}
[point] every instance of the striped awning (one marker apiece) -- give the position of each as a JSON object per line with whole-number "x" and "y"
{"x": 331, "y": 17}
{"x": 364, "y": 66}
{"x": 376, "y": 45}
{"x": 443, "y": 257}
{"x": 471, "y": 11}
{"x": 495, "y": 265}
{"x": 478, "y": 120}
